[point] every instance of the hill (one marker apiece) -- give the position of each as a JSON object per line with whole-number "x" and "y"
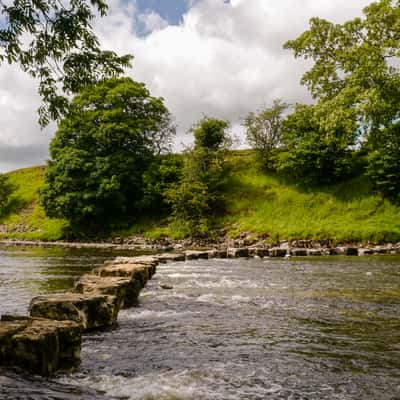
{"x": 256, "y": 203}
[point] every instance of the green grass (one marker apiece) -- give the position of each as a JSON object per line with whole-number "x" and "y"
{"x": 26, "y": 219}
{"x": 262, "y": 204}
{"x": 257, "y": 203}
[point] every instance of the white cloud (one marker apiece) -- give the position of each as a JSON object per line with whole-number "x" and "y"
{"x": 223, "y": 60}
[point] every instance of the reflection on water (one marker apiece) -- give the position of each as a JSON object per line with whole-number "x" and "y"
{"x": 316, "y": 329}
{"x": 25, "y": 273}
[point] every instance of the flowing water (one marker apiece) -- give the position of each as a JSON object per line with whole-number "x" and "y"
{"x": 326, "y": 328}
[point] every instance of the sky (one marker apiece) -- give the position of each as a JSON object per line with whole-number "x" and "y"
{"x": 220, "y": 58}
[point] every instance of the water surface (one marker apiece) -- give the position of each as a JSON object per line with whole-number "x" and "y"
{"x": 326, "y": 328}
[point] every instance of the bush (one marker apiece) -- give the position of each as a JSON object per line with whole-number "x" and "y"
{"x": 6, "y": 189}
{"x": 384, "y": 163}
{"x": 163, "y": 172}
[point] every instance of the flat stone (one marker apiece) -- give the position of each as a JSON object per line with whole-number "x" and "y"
{"x": 365, "y": 252}
{"x": 90, "y": 310}
{"x": 151, "y": 261}
{"x": 298, "y": 252}
{"x": 234, "y": 252}
{"x": 351, "y": 251}
{"x": 171, "y": 257}
{"x": 139, "y": 272}
{"x": 126, "y": 290}
{"x": 314, "y": 252}
{"x": 194, "y": 255}
{"x": 277, "y": 252}
{"x": 40, "y": 346}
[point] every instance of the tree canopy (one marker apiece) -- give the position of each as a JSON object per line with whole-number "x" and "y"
{"x": 264, "y": 131}
{"x": 54, "y": 42}
{"x": 356, "y": 71}
{"x": 100, "y": 152}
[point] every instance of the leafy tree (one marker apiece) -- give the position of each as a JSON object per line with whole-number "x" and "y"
{"x": 356, "y": 75}
{"x": 311, "y": 155}
{"x": 384, "y": 163}
{"x": 163, "y": 172}
{"x": 6, "y": 189}
{"x": 100, "y": 152}
{"x": 54, "y": 42}
{"x": 264, "y": 133}
{"x": 198, "y": 194}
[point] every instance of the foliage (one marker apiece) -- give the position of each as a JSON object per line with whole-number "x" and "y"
{"x": 162, "y": 173}
{"x": 356, "y": 75}
{"x": 198, "y": 194}
{"x": 100, "y": 152}
{"x": 55, "y": 42}
{"x": 263, "y": 131}
{"x": 311, "y": 156}
{"x": 6, "y": 189}
{"x": 384, "y": 163}
{"x": 210, "y": 134}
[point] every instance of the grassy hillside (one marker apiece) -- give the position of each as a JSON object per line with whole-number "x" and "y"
{"x": 27, "y": 219}
{"x": 256, "y": 203}
{"x": 348, "y": 211}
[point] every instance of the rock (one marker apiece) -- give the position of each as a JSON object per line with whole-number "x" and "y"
{"x": 351, "y": 251}
{"x": 126, "y": 290}
{"x": 262, "y": 252}
{"x": 277, "y": 252}
{"x": 314, "y": 252}
{"x": 139, "y": 272}
{"x": 234, "y": 252}
{"x": 40, "y": 346}
{"x": 220, "y": 253}
{"x": 298, "y": 252}
{"x": 194, "y": 255}
{"x": 91, "y": 311}
{"x": 166, "y": 287}
{"x": 150, "y": 261}
{"x": 171, "y": 257}
{"x": 365, "y": 252}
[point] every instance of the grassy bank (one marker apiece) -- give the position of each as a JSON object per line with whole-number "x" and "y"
{"x": 25, "y": 218}
{"x": 256, "y": 203}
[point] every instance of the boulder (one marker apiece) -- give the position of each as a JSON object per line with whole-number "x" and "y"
{"x": 40, "y": 346}
{"x": 126, "y": 290}
{"x": 90, "y": 310}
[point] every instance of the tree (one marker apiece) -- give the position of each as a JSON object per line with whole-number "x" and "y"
{"x": 264, "y": 133}
{"x": 100, "y": 152}
{"x": 384, "y": 163}
{"x": 55, "y": 43}
{"x": 356, "y": 75}
{"x": 311, "y": 155}
{"x": 197, "y": 196}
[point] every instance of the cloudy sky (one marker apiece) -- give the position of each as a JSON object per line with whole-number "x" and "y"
{"x": 216, "y": 57}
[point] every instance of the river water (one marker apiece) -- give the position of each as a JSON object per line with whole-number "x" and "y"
{"x": 326, "y": 328}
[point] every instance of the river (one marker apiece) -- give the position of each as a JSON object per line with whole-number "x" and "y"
{"x": 323, "y": 328}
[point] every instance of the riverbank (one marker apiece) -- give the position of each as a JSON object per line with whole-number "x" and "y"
{"x": 242, "y": 247}
{"x": 258, "y": 207}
